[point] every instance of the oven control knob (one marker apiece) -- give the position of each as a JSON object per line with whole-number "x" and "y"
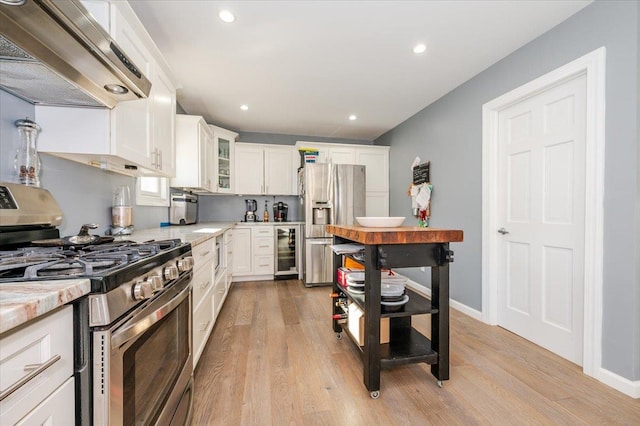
{"x": 142, "y": 290}
{"x": 171, "y": 273}
{"x": 185, "y": 264}
{"x": 156, "y": 282}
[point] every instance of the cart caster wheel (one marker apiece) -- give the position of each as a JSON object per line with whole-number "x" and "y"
{"x": 339, "y": 336}
{"x": 440, "y": 383}
{"x": 375, "y": 394}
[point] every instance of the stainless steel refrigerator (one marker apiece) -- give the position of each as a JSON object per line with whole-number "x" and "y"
{"x": 332, "y": 194}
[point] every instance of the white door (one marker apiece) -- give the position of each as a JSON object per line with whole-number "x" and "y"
{"x": 541, "y": 216}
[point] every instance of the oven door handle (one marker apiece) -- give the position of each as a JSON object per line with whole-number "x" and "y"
{"x": 140, "y": 325}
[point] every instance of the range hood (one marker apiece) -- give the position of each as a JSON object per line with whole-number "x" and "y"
{"x": 53, "y": 52}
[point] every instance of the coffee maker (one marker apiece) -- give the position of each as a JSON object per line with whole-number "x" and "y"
{"x": 280, "y": 210}
{"x": 250, "y": 213}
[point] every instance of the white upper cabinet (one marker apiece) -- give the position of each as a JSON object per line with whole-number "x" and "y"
{"x": 262, "y": 169}
{"x": 194, "y": 154}
{"x": 331, "y": 152}
{"x": 136, "y": 137}
{"x": 280, "y": 170}
{"x": 376, "y": 159}
{"x": 224, "y": 147}
{"x": 249, "y": 169}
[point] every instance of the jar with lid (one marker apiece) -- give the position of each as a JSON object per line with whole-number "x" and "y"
{"x": 27, "y": 162}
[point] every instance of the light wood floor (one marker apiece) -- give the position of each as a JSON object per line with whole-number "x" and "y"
{"x": 273, "y": 359}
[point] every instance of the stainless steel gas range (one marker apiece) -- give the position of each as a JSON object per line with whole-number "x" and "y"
{"x": 132, "y": 333}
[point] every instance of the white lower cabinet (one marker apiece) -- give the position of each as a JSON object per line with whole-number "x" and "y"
{"x": 219, "y": 292}
{"x": 228, "y": 257}
{"x": 202, "y": 296}
{"x": 254, "y": 254}
{"x": 202, "y": 324}
{"x": 43, "y": 349}
{"x": 242, "y": 262}
{"x": 50, "y": 411}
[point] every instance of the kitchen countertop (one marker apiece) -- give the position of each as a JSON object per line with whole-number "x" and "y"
{"x": 186, "y": 233}
{"x": 22, "y": 302}
{"x": 190, "y": 234}
{"x": 398, "y": 235}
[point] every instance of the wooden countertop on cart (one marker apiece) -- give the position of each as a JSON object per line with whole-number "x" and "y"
{"x": 399, "y": 235}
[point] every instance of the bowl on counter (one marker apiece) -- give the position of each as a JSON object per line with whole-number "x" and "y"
{"x": 380, "y": 222}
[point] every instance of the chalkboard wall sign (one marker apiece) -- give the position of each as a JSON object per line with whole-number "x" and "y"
{"x": 421, "y": 173}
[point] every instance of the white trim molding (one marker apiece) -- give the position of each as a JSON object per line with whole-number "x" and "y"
{"x": 626, "y": 386}
{"x": 426, "y": 292}
{"x": 592, "y": 65}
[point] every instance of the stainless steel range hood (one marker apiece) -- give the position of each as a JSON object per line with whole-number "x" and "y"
{"x": 52, "y": 52}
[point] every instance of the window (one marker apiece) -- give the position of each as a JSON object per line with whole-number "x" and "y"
{"x": 152, "y": 191}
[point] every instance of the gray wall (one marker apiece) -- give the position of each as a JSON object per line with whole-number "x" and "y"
{"x": 84, "y": 193}
{"x": 449, "y": 133}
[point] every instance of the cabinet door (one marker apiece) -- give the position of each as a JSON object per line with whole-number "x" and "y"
{"x": 224, "y": 141}
{"x": 377, "y": 162}
{"x": 163, "y": 134}
{"x": 279, "y": 171}
{"x": 242, "y": 252}
{"x": 249, "y": 169}
{"x": 131, "y": 121}
{"x": 341, "y": 155}
{"x": 207, "y": 157}
{"x": 377, "y": 203}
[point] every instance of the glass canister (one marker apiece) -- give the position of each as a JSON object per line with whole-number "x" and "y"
{"x": 27, "y": 163}
{"x": 121, "y": 210}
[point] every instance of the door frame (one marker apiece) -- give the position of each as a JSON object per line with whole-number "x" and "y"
{"x": 593, "y": 66}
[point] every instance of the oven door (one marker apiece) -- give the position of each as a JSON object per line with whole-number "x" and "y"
{"x": 142, "y": 366}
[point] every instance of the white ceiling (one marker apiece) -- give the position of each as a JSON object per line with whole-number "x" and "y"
{"x": 303, "y": 67}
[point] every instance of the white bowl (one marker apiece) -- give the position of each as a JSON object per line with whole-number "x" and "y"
{"x": 380, "y": 222}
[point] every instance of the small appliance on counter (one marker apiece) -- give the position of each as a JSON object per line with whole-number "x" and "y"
{"x": 121, "y": 211}
{"x": 280, "y": 211}
{"x": 183, "y": 209}
{"x": 250, "y": 213}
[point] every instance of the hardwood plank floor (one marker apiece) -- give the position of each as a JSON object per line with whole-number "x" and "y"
{"x": 273, "y": 359}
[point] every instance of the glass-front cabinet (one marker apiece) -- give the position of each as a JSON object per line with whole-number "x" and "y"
{"x": 224, "y": 141}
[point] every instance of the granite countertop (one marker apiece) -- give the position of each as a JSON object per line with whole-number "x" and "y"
{"x": 194, "y": 234}
{"x": 22, "y": 302}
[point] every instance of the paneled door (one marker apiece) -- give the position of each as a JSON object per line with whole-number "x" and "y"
{"x": 541, "y": 217}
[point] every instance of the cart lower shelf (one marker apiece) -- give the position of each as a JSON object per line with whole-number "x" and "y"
{"x": 407, "y": 346}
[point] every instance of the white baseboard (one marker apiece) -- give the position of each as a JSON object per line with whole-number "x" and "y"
{"x": 619, "y": 383}
{"x": 420, "y": 289}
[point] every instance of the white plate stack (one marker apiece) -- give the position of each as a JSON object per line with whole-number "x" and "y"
{"x": 355, "y": 282}
{"x": 392, "y": 292}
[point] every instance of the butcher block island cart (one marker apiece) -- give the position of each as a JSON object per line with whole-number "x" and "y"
{"x": 402, "y": 247}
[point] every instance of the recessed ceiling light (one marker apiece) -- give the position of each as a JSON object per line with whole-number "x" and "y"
{"x": 226, "y": 16}
{"x": 244, "y": 107}
{"x": 420, "y": 48}
{"x": 352, "y": 117}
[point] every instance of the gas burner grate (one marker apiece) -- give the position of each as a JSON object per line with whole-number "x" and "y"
{"x": 32, "y": 263}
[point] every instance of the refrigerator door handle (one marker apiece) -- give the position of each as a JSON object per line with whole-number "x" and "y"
{"x": 320, "y": 243}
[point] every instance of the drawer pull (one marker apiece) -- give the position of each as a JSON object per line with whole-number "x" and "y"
{"x": 205, "y": 285}
{"x": 35, "y": 370}
{"x": 205, "y": 253}
{"x": 203, "y": 326}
